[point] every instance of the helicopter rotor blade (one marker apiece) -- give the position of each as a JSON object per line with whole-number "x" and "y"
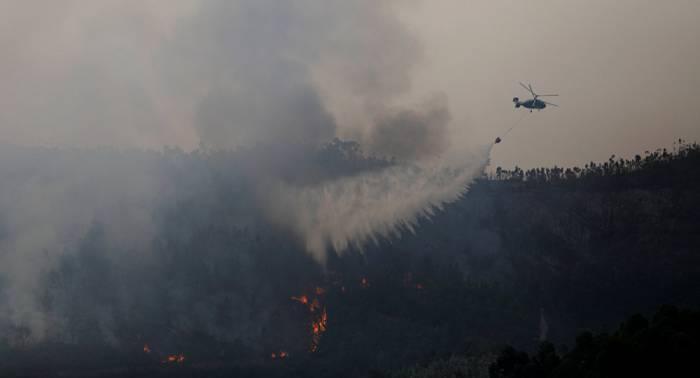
{"x": 534, "y": 95}
{"x": 549, "y": 103}
{"x": 548, "y": 95}
{"x": 527, "y": 88}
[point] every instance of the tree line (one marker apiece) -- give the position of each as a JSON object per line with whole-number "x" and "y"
{"x": 682, "y": 154}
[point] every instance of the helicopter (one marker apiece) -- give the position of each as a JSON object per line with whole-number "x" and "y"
{"x": 534, "y": 102}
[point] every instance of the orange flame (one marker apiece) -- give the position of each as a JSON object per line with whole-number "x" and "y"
{"x": 323, "y": 321}
{"x": 281, "y": 355}
{"x": 318, "y": 327}
{"x": 319, "y": 320}
{"x": 146, "y": 349}
{"x": 301, "y": 299}
{"x": 312, "y": 305}
{"x": 175, "y": 358}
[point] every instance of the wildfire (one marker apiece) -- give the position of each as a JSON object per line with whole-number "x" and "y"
{"x": 281, "y": 355}
{"x": 303, "y": 299}
{"x": 319, "y": 319}
{"x": 175, "y": 358}
{"x": 313, "y": 305}
{"x": 318, "y": 327}
{"x": 169, "y": 359}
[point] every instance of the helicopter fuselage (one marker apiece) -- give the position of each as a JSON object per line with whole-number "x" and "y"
{"x": 534, "y": 102}
{"x": 531, "y": 104}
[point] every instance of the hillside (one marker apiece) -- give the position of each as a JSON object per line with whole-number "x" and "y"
{"x": 219, "y": 290}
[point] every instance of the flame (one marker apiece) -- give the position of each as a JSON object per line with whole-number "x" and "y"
{"x": 318, "y": 327}
{"x": 301, "y": 299}
{"x": 175, "y": 358}
{"x": 146, "y": 349}
{"x": 281, "y": 355}
{"x": 304, "y": 299}
{"x": 319, "y": 321}
{"x": 364, "y": 282}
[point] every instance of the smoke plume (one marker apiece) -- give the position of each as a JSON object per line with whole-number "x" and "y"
{"x": 263, "y": 88}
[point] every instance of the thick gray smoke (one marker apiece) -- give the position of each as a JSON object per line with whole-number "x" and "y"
{"x": 302, "y": 71}
{"x": 49, "y": 200}
{"x": 271, "y": 80}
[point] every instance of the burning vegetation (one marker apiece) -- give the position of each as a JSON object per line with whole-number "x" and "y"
{"x": 174, "y": 358}
{"x": 303, "y": 299}
{"x": 281, "y": 355}
{"x": 319, "y": 315}
{"x": 318, "y": 327}
{"x": 177, "y": 358}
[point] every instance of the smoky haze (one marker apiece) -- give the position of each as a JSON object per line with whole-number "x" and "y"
{"x": 225, "y": 74}
{"x": 298, "y": 117}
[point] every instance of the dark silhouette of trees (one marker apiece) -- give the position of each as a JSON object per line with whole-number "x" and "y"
{"x": 636, "y": 171}
{"x": 666, "y": 346}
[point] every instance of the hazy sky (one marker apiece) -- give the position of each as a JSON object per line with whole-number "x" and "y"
{"x": 94, "y": 73}
{"x": 627, "y": 71}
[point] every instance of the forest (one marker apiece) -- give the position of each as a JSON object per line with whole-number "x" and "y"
{"x": 528, "y": 259}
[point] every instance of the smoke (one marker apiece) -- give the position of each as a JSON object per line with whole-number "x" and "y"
{"x": 261, "y": 86}
{"x": 302, "y": 71}
{"x": 361, "y": 208}
{"x": 222, "y": 73}
{"x": 412, "y": 133}
{"x": 50, "y": 199}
